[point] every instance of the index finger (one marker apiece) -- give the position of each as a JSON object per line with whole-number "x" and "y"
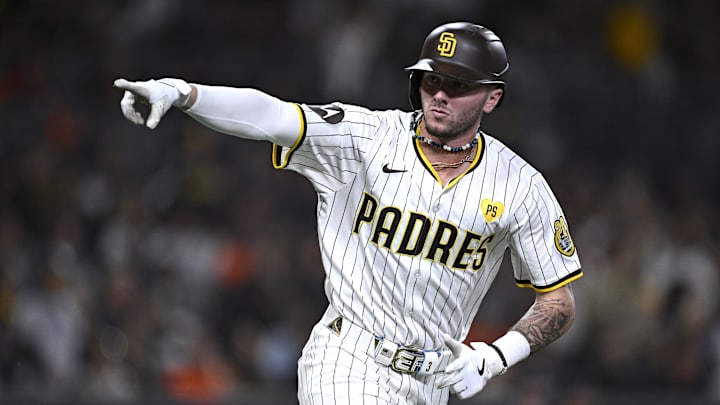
{"x": 122, "y": 84}
{"x": 138, "y": 88}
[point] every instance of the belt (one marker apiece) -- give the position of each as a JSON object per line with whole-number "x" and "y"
{"x": 401, "y": 359}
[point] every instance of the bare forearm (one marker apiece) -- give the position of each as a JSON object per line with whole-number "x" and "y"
{"x": 549, "y": 318}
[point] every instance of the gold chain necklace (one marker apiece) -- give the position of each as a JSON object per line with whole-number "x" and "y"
{"x": 443, "y": 165}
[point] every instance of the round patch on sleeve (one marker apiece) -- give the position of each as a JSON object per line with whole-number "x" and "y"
{"x": 563, "y": 241}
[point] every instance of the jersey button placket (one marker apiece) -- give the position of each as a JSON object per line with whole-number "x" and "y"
{"x": 409, "y": 298}
{"x": 435, "y": 204}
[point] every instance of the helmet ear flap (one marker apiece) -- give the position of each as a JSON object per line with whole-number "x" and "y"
{"x": 414, "y": 89}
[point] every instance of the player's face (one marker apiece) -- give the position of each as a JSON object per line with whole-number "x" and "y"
{"x": 454, "y": 108}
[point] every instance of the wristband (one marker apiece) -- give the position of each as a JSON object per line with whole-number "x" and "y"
{"x": 512, "y": 348}
{"x": 502, "y": 359}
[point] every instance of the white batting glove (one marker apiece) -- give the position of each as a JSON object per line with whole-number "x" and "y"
{"x": 472, "y": 368}
{"x": 160, "y": 94}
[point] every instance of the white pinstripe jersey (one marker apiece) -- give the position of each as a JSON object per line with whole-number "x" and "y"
{"x": 405, "y": 257}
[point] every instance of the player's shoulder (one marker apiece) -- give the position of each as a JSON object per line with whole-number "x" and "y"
{"x": 338, "y": 111}
{"x": 390, "y": 117}
{"x": 497, "y": 152}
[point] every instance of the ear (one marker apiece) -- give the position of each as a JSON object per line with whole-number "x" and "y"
{"x": 492, "y": 100}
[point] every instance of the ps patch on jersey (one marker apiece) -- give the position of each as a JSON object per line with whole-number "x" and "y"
{"x": 491, "y": 210}
{"x": 332, "y": 114}
{"x": 563, "y": 241}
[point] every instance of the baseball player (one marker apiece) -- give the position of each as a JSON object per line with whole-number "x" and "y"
{"x": 416, "y": 210}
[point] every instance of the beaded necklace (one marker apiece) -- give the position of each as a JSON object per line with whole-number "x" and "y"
{"x": 415, "y": 128}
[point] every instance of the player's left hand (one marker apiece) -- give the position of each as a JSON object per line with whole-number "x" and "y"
{"x": 471, "y": 370}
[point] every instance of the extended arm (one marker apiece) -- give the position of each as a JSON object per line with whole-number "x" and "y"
{"x": 243, "y": 112}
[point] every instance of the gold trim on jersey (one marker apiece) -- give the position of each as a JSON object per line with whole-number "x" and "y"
{"x": 277, "y": 157}
{"x": 475, "y": 162}
{"x": 554, "y": 286}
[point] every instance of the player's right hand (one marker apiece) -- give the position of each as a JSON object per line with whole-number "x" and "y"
{"x": 159, "y": 94}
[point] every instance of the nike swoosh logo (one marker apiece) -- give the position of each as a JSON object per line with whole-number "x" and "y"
{"x": 330, "y": 113}
{"x": 482, "y": 370}
{"x": 387, "y": 169}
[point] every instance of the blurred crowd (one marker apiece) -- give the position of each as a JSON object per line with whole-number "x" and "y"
{"x": 176, "y": 266}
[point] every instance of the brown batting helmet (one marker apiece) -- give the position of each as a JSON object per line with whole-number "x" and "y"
{"x": 461, "y": 50}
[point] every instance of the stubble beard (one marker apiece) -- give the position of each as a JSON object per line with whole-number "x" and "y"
{"x": 454, "y": 128}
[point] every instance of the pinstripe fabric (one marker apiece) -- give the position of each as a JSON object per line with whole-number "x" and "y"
{"x": 336, "y": 369}
{"x": 405, "y": 257}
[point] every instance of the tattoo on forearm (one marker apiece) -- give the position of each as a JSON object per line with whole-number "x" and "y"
{"x": 546, "y": 321}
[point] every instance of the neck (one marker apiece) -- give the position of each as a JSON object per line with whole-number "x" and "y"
{"x": 419, "y": 129}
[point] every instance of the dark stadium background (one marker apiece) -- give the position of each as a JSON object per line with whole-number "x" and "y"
{"x": 176, "y": 266}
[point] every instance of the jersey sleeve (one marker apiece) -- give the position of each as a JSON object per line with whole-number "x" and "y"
{"x": 332, "y": 145}
{"x": 543, "y": 254}
{"x": 246, "y": 113}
